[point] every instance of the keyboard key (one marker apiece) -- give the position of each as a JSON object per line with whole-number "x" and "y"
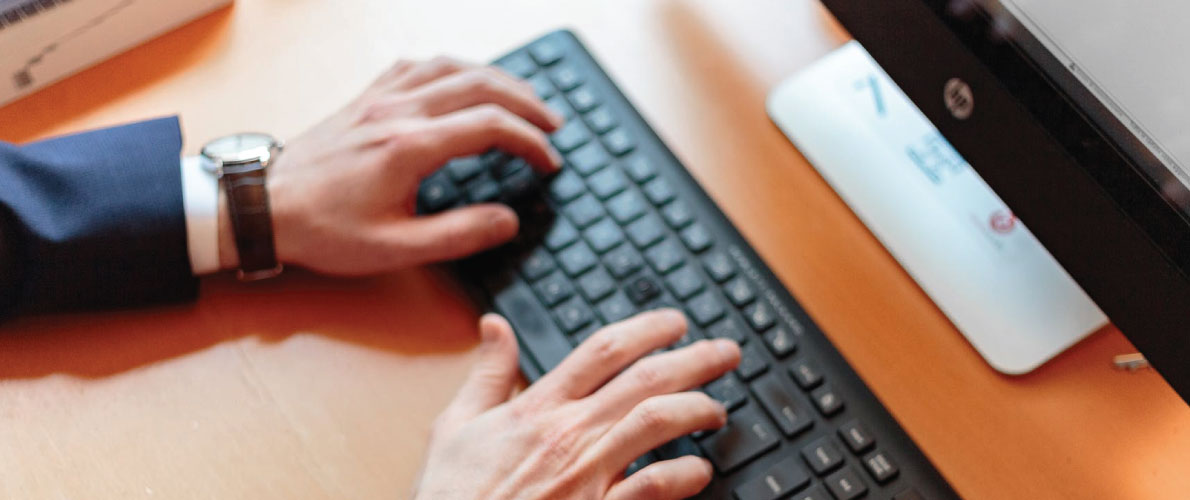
{"x": 584, "y": 211}
{"x": 693, "y": 334}
{"x": 822, "y": 455}
{"x": 781, "y": 479}
{"x": 909, "y": 494}
{"x": 728, "y": 391}
{"x": 739, "y": 292}
{"x": 626, "y": 207}
{"x": 577, "y": 259}
{"x": 536, "y": 265}
{"x": 880, "y": 467}
{"x": 570, "y": 136}
{"x": 665, "y": 256}
{"x": 601, "y": 120}
{"x": 684, "y": 282}
{"x": 705, "y": 308}
{"x": 604, "y": 235}
{"x": 640, "y": 169}
{"x": 815, "y": 493}
{"x": 543, "y": 340}
{"x": 520, "y": 185}
{"x": 589, "y": 158}
{"x": 619, "y": 142}
{"x": 508, "y": 166}
{"x": 781, "y": 343}
{"x": 696, "y": 238}
{"x": 782, "y": 405}
{"x": 623, "y": 261}
{"x": 677, "y": 448}
{"x": 559, "y": 105}
{"x": 573, "y": 314}
{"x": 464, "y": 169}
{"x": 596, "y": 285}
{"x": 752, "y": 362}
{"x": 560, "y": 235}
{"x": 677, "y": 214}
{"x": 760, "y": 316}
{"x": 640, "y": 463}
{"x": 745, "y": 437}
{"x": 659, "y": 192}
{"x": 642, "y": 290}
{"x": 583, "y": 99}
{"x": 566, "y": 187}
{"x": 483, "y": 191}
{"x": 585, "y": 332}
{"x": 846, "y": 484}
{"x": 566, "y": 78}
{"x": 717, "y": 263}
{"x": 856, "y": 437}
{"x": 826, "y": 400}
{"x": 519, "y": 64}
{"x": 616, "y": 308}
{"x": 436, "y": 194}
{"x": 607, "y": 183}
{"x": 646, "y": 231}
{"x": 542, "y": 86}
{"x": 547, "y": 52}
{"x": 554, "y": 289}
{"x": 729, "y": 329}
{"x": 805, "y": 373}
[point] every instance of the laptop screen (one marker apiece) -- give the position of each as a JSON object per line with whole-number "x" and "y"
{"x": 1132, "y": 57}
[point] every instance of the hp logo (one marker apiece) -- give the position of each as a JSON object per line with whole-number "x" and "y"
{"x": 958, "y": 98}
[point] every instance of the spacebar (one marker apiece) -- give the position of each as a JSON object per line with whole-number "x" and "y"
{"x": 533, "y": 325}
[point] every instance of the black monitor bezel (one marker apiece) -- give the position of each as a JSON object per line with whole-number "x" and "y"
{"x": 1054, "y": 156}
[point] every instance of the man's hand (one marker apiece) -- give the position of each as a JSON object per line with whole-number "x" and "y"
{"x": 343, "y": 194}
{"x": 572, "y": 434}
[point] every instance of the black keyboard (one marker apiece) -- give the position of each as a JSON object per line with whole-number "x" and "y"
{"x": 624, "y": 228}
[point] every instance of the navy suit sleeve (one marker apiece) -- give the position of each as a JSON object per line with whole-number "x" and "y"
{"x": 94, "y": 220}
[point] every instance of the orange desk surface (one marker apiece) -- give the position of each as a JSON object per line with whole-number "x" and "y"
{"x": 313, "y": 388}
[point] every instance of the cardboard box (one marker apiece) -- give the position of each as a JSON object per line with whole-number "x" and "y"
{"x": 43, "y": 41}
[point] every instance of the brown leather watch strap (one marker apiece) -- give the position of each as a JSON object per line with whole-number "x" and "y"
{"x": 252, "y": 222}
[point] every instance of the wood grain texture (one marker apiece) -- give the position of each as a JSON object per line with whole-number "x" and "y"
{"x": 313, "y": 388}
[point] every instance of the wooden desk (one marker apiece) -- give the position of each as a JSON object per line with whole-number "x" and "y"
{"x": 316, "y": 388}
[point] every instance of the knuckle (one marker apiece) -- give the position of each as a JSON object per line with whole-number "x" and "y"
{"x": 652, "y": 485}
{"x": 648, "y": 377}
{"x": 607, "y": 347}
{"x": 652, "y": 417}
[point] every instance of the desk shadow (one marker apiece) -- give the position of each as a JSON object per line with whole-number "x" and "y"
{"x": 413, "y": 312}
{"x": 35, "y": 115}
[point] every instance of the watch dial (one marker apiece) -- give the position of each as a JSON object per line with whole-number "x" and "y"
{"x": 233, "y": 145}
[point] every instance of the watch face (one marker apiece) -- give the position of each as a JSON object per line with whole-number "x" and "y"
{"x": 239, "y": 148}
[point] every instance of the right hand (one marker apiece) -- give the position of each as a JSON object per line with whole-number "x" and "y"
{"x": 572, "y": 434}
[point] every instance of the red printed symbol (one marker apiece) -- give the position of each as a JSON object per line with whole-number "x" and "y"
{"x": 1003, "y": 221}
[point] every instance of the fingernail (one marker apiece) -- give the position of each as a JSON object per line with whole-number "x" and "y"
{"x": 707, "y": 465}
{"x": 727, "y": 347}
{"x": 556, "y": 158}
{"x": 557, "y": 119}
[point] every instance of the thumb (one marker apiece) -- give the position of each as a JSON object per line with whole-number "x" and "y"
{"x": 454, "y": 233}
{"x": 495, "y": 374}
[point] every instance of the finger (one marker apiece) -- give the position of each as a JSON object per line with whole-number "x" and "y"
{"x": 673, "y": 479}
{"x": 451, "y": 234}
{"x": 480, "y": 128}
{"x": 494, "y": 375}
{"x": 417, "y": 74}
{"x": 485, "y": 86}
{"x": 610, "y": 350}
{"x": 656, "y": 421}
{"x": 672, "y": 371}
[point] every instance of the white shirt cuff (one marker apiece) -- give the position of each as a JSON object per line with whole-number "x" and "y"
{"x": 200, "y": 197}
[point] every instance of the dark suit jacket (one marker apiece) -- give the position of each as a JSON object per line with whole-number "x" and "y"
{"x": 94, "y": 220}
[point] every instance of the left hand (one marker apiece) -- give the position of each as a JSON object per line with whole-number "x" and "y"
{"x": 343, "y": 194}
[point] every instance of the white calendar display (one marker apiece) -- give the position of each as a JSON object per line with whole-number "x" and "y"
{"x": 932, "y": 211}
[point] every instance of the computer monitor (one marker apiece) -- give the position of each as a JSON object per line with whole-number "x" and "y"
{"x": 1077, "y": 113}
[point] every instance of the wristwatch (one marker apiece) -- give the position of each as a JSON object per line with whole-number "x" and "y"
{"x": 241, "y": 162}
